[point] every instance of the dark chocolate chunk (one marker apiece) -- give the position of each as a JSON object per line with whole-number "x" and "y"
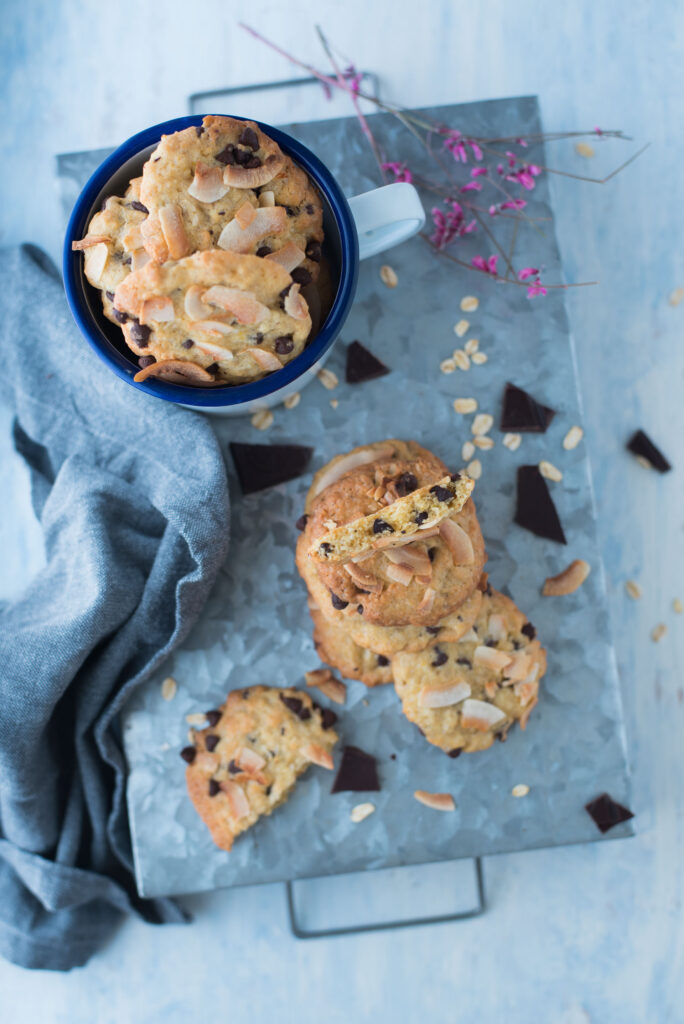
{"x": 641, "y": 444}
{"x": 258, "y": 337}
{"x": 214, "y": 787}
{"x": 263, "y": 250}
{"x": 441, "y": 493}
{"x": 301, "y": 522}
{"x": 440, "y": 658}
{"x": 241, "y": 156}
{"x": 529, "y": 631}
{"x": 432, "y": 630}
{"x": 140, "y": 333}
{"x": 213, "y": 717}
{"x": 135, "y": 205}
{"x": 284, "y": 344}
{"x": 296, "y": 706}
{"x": 199, "y": 129}
{"x": 188, "y": 754}
{"x": 534, "y": 509}
{"x": 234, "y": 768}
{"x": 432, "y": 554}
{"x": 607, "y": 813}
{"x": 313, "y": 248}
{"x": 328, "y": 718}
{"x": 420, "y": 517}
{"x": 120, "y": 316}
{"x": 393, "y": 757}
{"x": 300, "y": 275}
{"x": 289, "y": 211}
{"x": 309, "y": 208}
{"x": 249, "y": 138}
{"x": 382, "y": 660}
{"x": 227, "y": 155}
{"x": 362, "y": 365}
{"x": 325, "y": 548}
{"x": 259, "y": 466}
{"x": 359, "y": 609}
{"x": 127, "y": 261}
{"x": 145, "y": 361}
{"x": 380, "y": 526}
{"x": 268, "y": 790}
{"x": 405, "y": 484}
{"x": 357, "y": 773}
{"x": 110, "y": 296}
{"x": 188, "y": 343}
{"x": 212, "y": 368}
{"x": 337, "y": 602}
{"x": 454, "y": 477}
{"x": 522, "y": 413}
{"x": 211, "y": 741}
{"x": 253, "y": 161}
{"x": 456, "y": 752}
{"x": 464, "y": 661}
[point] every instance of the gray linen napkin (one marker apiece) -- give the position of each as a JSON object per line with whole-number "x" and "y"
{"x": 132, "y": 497}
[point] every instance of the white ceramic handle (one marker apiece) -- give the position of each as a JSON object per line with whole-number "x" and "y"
{"x": 386, "y": 216}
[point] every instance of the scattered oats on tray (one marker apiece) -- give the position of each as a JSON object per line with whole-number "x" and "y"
{"x": 658, "y": 632}
{"x": 522, "y": 789}
{"x": 633, "y": 589}
{"x": 469, "y": 303}
{"x": 464, "y": 406}
{"x": 388, "y": 276}
{"x": 461, "y": 359}
{"x": 262, "y": 420}
{"x": 169, "y": 688}
{"x": 328, "y": 379}
{"x": 550, "y": 471}
{"x": 461, "y": 328}
{"x": 572, "y": 438}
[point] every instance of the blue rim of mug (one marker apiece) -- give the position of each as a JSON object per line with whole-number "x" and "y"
{"x": 226, "y": 395}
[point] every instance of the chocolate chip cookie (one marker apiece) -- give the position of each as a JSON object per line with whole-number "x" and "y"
{"x": 337, "y": 648}
{"x": 247, "y": 761}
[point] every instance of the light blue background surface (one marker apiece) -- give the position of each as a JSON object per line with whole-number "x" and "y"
{"x": 573, "y": 935}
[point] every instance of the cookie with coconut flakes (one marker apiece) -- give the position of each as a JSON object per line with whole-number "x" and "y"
{"x": 336, "y": 648}
{"x": 227, "y": 184}
{"x": 248, "y": 759}
{"x": 463, "y": 695}
{"x": 113, "y": 246}
{"x": 227, "y": 317}
{"x": 416, "y": 584}
{"x": 388, "y": 640}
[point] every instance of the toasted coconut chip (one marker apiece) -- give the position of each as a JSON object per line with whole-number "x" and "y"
{"x": 207, "y": 186}
{"x": 158, "y": 308}
{"x": 346, "y": 464}
{"x": 253, "y": 177}
{"x": 266, "y": 199}
{"x": 399, "y": 573}
{"x": 153, "y": 239}
{"x": 206, "y": 762}
{"x": 237, "y": 800}
{"x": 139, "y": 259}
{"x": 213, "y": 349}
{"x": 265, "y": 359}
{"x": 324, "y": 680}
{"x": 295, "y": 304}
{"x": 96, "y": 260}
{"x": 496, "y": 627}
{"x": 244, "y": 306}
{"x": 458, "y": 542}
{"x": 525, "y": 717}
{"x": 361, "y": 811}
{"x": 362, "y": 578}
{"x": 478, "y": 714}
{"x": 289, "y": 257}
{"x": 249, "y": 760}
{"x": 171, "y": 221}
{"x": 427, "y": 600}
{"x": 525, "y": 692}
{"x": 89, "y": 241}
{"x": 568, "y": 581}
{"x": 470, "y": 637}
{"x": 268, "y": 220}
{"x": 491, "y": 658}
{"x": 318, "y": 755}
{"x": 213, "y": 327}
{"x": 133, "y": 239}
{"x": 490, "y": 688}
{"x": 245, "y": 214}
{"x": 178, "y": 371}
{"x": 518, "y": 668}
{"x": 414, "y": 558}
{"x": 436, "y": 801}
{"x": 445, "y": 695}
{"x": 193, "y": 305}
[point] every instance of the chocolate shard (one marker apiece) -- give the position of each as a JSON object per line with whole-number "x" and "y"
{"x": 607, "y": 813}
{"x": 363, "y": 365}
{"x": 640, "y": 444}
{"x": 521, "y": 413}
{"x": 534, "y": 508}
{"x": 357, "y": 773}
{"x": 259, "y": 466}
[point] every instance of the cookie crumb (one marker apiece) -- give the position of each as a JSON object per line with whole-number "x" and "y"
{"x": 461, "y": 359}
{"x": 361, "y": 811}
{"x": 522, "y": 789}
{"x": 479, "y": 358}
{"x": 469, "y": 303}
{"x": 334, "y": 402}
{"x": 388, "y": 276}
{"x": 482, "y": 424}
{"x": 292, "y": 400}
{"x": 677, "y": 606}
{"x": 658, "y": 632}
{"x": 471, "y": 346}
{"x": 467, "y": 451}
{"x": 263, "y": 419}
{"x": 324, "y": 680}
{"x": 485, "y": 443}
{"x": 465, "y": 405}
{"x": 572, "y": 438}
{"x": 461, "y": 327}
{"x": 328, "y": 379}
{"x": 437, "y": 801}
{"x": 169, "y": 688}
{"x": 512, "y": 441}
{"x": 676, "y": 296}
{"x": 447, "y": 366}
{"x": 548, "y": 470}
{"x": 474, "y": 469}
{"x": 633, "y": 589}
{"x": 585, "y": 150}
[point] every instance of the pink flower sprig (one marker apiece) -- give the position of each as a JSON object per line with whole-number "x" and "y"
{"x": 487, "y": 266}
{"x": 400, "y": 171}
{"x": 510, "y": 204}
{"x": 458, "y": 146}
{"x": 450, "y": 225}
{"x": 535, "y": 287}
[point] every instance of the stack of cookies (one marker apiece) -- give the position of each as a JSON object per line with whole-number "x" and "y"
{"x": 392, "y": 555}
{"x": 207, "y": 262}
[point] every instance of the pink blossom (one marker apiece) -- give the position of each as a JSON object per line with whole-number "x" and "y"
{"x": 527, "y": 272}
{"x": 471, "y": 186}
{"x": 510, "y": 204}
{"x": 499, "y": 168}
{"x": 486, "y": 266}
{"x": 354, "y": 78}
{"x": 477, "y": 152}
{"x": 598, "y": 130}
{"x": 450, "y": 225}
{"x": 521, "y": 142}
{"x": 536, "y": 288}
{"x": 511, "y": 158}
{"x": 478, "y": 171}
{"x": 456, "y": 145}
{"x": 400, "y": 171}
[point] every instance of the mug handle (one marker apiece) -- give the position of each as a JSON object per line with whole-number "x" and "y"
{"x": 386, "y": 216}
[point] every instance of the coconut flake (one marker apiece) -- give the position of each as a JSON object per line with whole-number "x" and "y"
{"x": 489, "y": 657}
{"x": 266, "y": 221}
{"x": 346, "y": 464}
{"x": 96, "y": 260}
{"x": 253, "y": 177}
{"x": 244, "y": 306}
{"x": 288, "y": 256}
{"x": 400, "y": 574}
{"x": 318, "y": 755}
{"x": 193, "y": 305}
{"x": 237, "y": 801}
{"x": 207, "y": 186}
{"x": 458, "y": 542}
{"x": 173, "y": 229}
{"x": 158, "y": 308}
{"x": 445, "y": 695}
{"x": 478, "y": 714}
{"x": 245, "y": 214}
{"x": 266, "y": 360}
{"x": 436, "y": 801}
{"x": 363, "y": 579}
{"x": 295, "y": 304}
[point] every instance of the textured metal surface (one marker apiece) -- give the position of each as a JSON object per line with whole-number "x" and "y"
{"x": 256, "y": 628}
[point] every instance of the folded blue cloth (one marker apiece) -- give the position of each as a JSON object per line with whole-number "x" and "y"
{"x": 132, "y": 497}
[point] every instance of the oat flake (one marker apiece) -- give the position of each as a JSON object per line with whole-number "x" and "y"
{"x": 471, "y": 346}
{"x": 677, "y": 606}
{"x": 334, "y": 402}
{"x": 461, "y": 359}
{"x": 469, "y": 303}
{"x": 548, "y": 470}
{"x": 479, "y": 358}
{"x": 263, "y": 419}
{"x": 522, "y": 789}
{"x": 572, "y": 438}
{"x": 633, "y": 589}
{"x": 169, "y": 688}
{"x": 461, "y": 327}
{"x": 585, "y": 150}
{"x": 474, "y": 469}
{"x": 465, "y": 405}
{"x": 485, "y": 443}
{"x": 467, "y": 451}
{"x": 482, "y": 424}
{"x": 658, "y": 632}
{"x": 388, "y": 276}
{"x": 512, "y": 441}
{"x": 328, "y": 379}
{"x": 292, "y": 400}
{"x": 676, "y": 296}
{"x": 447, "y": 366}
